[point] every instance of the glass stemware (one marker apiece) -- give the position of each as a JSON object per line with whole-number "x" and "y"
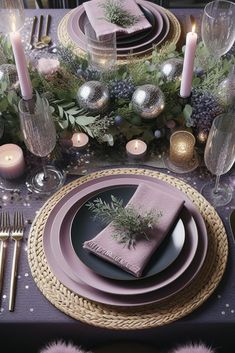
{"x": 219, "y": 157}
{"x": 40, "y": 138}
{"x": 218, "y": 27}
{"x": 102, "y": 52}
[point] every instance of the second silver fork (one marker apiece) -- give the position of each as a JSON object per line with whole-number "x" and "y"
{"x": 4, "y": 235}
{"x": 16, "y": 235}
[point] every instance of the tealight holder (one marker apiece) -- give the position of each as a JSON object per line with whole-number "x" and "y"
{"x": 182, "y": 157}
{"x": 136, "y": 149}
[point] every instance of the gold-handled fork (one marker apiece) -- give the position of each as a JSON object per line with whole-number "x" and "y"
{"x": 4, "y": 235}
{"x": 16, "y": 235}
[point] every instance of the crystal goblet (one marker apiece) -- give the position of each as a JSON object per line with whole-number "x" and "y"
{"x": 219, "y": 157}
{"x": 40, "y": 138}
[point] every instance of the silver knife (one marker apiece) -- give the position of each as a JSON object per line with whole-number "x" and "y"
{"x": 232, "y": 222}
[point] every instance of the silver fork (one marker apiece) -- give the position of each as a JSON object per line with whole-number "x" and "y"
{"x": 4, "y": 235}
{"x": 16, "y": 235}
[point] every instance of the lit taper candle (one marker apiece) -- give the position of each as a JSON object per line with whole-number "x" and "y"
{"x": 189, "y": 55}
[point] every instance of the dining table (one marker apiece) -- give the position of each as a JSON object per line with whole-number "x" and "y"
{"x": 36, "y": 322}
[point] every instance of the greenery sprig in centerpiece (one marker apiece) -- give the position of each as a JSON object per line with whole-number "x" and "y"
{"x": 129, "y": 223}
{"x": 114, "y": 12}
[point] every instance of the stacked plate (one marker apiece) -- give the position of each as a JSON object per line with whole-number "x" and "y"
{"x": 140, "y": 43}
{"x": 172, "y": 268}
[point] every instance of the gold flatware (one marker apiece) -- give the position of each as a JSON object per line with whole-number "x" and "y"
{"x": 38, "y": 42}
{"x": 16, "y": 235}
{"x": 35, "y": 20}
{"x": 4, "y": 235}
{"x": 46, "y": 39}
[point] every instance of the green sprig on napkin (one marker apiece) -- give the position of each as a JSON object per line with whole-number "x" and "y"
{"x": 115, "y": 13}
{"x": 129, "y": 224}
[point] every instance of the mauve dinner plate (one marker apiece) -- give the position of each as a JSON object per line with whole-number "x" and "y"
{"x": 78, "y": 19}
{"x": 85, "y": 227}
{"x": 102, "y": 297}
{"x": 72, "y": 265}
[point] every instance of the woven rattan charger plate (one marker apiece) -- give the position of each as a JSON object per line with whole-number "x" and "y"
{"x": 148, "y": 316}
{"x": 172, "y": 37}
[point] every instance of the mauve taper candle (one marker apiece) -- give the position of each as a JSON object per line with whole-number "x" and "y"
{"x": 21, "y": 66}
{"x": 189, "y": 55}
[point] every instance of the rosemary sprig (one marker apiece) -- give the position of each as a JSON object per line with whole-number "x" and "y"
{"x": 115, "y": 13}
{"x": 129, "y": 224}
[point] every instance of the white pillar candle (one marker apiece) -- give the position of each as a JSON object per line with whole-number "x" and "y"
{"x": 136, "y": 148}
{"x": 189, "y": 55}
{"x": 21, "y": 66}
{"x": 80, "y": 140}
{"x": 12, "y": 163}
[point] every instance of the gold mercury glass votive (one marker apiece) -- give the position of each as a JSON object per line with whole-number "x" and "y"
{"x": 182, "y": 148}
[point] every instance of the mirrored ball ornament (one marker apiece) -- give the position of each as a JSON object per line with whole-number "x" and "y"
{"x": 226, "y": 90}
{"x": 172, "y": 69}
{"x": 9, "y": 74}
{"x": 148, "y": 101}
{"x": 93, "y": 96}
{"x": 3, "y": 58}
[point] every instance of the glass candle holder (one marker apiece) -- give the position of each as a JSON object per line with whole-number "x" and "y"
{"x": 102, "y": 52}
{"x": 136, "y": 149}
{"x": 182, "y": 148}
{"x": 182, "y": 157}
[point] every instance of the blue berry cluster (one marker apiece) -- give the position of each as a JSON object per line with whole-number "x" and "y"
{"x": 121, "y": 88}
{"x": 205, "y": 109}
{"x": 88, "y": 74}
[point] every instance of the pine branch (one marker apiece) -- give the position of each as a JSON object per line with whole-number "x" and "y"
{"x": 115, "y": 13}
{"x": 129, "y": 224}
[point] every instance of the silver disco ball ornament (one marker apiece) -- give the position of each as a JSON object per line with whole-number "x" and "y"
{"x": 148, "y": 101}
{"x": 3, "y": 58}
{"x": 93, "y": 96}
{"x": 9, "y": 74}
{"x": 172, "y": 69}
{"x": 226, "y": 90}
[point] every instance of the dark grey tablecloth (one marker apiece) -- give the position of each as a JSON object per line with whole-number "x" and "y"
{"x": 35, "y": 321}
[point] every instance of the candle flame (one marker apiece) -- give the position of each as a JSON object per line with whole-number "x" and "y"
{"x": 8, "y": 158}
{"x": 78, "y": 139}
{"x": 193, "y": 28}
{"x": 136, "y": 145}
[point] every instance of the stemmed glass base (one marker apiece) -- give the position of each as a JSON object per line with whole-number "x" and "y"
{"x": 45, "y": 181}
{"x": 219, "y": 196}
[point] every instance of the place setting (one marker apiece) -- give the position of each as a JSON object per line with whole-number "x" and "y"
{"x": 182, "y": 271}
{"x": 152, "y": 25}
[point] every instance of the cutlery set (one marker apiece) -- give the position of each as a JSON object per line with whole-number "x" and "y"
{"x": 39, "y": 40}
{"x": 14, "y": 231}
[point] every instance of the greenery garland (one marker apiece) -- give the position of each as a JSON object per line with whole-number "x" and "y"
{"x": 60, "y": 88}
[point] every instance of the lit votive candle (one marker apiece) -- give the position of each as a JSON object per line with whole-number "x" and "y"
{"x": 12, "y": 163}
{"x": 181, "y": 148}
{"x": 136, "y": 148}
{"x": 80, "y": 140}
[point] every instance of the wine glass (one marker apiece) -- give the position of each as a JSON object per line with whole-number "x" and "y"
{"x": 40, "y": 138}
{"x": 102, "y": 51}
{"x": 218, "y": 27}
{"x": 219, "y": 157}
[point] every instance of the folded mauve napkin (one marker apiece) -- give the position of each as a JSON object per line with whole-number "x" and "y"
{"x": 95, "y": 14}
{"x": 134, "y": 259}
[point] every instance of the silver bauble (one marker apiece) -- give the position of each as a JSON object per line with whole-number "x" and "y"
{"x": 172, "y": 69}
{"x": 3, "y": 58}
{"x": 9, "y": 74}
{"x": 148, "y": 101}
{"x": 226, "y": 90}
{"x": 93, "y": 96}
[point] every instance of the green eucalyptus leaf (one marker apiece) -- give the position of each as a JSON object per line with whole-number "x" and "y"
{"x": 187, "y": 112}
{"x": 85, "y": 120}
